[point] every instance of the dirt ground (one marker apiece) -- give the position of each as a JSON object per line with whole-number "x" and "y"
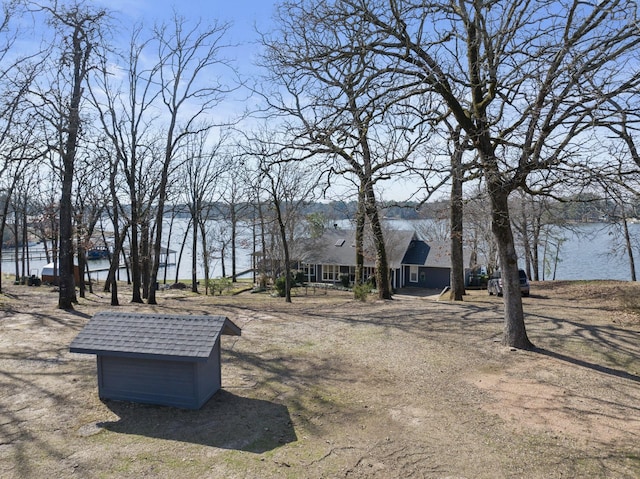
{"x": 328, "y": 387}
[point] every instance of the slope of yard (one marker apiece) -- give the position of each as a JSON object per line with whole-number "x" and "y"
{"x": 330, "y": 387}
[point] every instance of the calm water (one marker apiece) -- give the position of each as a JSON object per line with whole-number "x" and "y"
{"x": 585, "y": 253}
{"x": 589, "y": 253}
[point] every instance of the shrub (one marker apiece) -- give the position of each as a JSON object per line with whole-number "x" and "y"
{"x": 361, "y": 291}
{"x": 281, "y": 286}
{"x": 219, "y": 285}
{"x": 344, "y": 280}
{"x": 300, "y": 277}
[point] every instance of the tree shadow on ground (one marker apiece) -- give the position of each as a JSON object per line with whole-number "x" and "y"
{"x": 589, "y": 365}
{"x": 226, "y": 421}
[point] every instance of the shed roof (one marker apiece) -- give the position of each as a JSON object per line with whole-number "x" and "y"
{"x": 176, "y": 337}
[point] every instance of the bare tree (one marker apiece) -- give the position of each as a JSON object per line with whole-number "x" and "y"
{"x": 58, "y": 100}
{"x": 18, "y": 70}
{"x": 202, "y": 169}
{"x": 288, "y": 187}
{"x": 127, "y": 114}
{"x": 345, "y": 111}
{"x": 189, "y": 59}
{"x": 522, "y": 112}
{"x": 233, "y": 190}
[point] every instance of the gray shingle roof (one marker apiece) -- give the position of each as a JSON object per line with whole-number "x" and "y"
{"x": 179, "y": 337}
{"x": 338, "y": 247}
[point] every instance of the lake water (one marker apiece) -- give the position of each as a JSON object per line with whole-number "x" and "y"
{"x": 585, "y": 253}
{"x": 588, "y": 253}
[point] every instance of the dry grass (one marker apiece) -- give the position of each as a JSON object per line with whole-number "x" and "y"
{"x": 332, "y": 387}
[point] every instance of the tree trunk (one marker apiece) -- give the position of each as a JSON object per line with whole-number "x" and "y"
{"x": 194, "y": 249}
{"x": 134, "y": 248}
{"x": 162, "y": 197}
{"x": 457, "y": 256}
{"x": 115, "y": 262}
{"x": 382, "y": 265}
{"x": 166, "y": 259}
{"x": 66, "y": 281}
{"x": 145, "y": 258}
{"x": 629, "y": 247}
{"x": 183, "y": 243}
{"x": 263, "y": 241}
{"x": 359, "y": 233}
{"x": 81, "y": 262}
{"x": 534, "y": 248}
{"x": 515, "y": 334}
{"x": 285, "y": 248}
{"x": 205, "y": 255}
{"x": 234, "y": 238}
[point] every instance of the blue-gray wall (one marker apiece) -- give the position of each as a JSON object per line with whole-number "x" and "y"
{"x": 182, "y": 384}
{"x": 433, "y": 278}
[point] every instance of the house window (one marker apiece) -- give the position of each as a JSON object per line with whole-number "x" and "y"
{"x": 309, "y": 271}
{"x": 413, "y": 274}
{"x": 330, "y": 272}
{"x": 367, "y": 273}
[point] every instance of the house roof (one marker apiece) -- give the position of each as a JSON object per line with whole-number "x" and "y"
{"x": 436, "y": 254}
{"x": 439, "y": 255}
{"x": 337, "y": 247}
{"x": 152, "y": 336}
{"x": 417, "y": 253}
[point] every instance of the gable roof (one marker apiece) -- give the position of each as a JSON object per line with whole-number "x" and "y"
{"x": 337, "y": 247}
{"x": 440, "y": 255}
{"x": 417, "y": 253}
{"x": 436, "y": 254}
{"x": 152, "y": 336}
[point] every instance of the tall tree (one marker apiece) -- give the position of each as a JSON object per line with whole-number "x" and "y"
{"x": 201, "y": 170}
{"x": 233, "y": 190}
{"x": 78, "y": 31}
{"x": 348, "y": 110}
{"x": 518, "y": 77}
{"x": 189, "y": 63}
{"x": 18, "y": 70}
{"x": 288, "y": 186}
{"x": 127, "y": 113}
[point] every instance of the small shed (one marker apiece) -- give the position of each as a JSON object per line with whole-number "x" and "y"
{"x": 50, "y": 275}
{"x": 171, "y": 360}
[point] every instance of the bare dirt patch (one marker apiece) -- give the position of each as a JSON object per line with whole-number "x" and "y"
{"x": 331, "y": 387}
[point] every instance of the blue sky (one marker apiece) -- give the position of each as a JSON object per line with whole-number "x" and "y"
{"x": 244, "y": 14}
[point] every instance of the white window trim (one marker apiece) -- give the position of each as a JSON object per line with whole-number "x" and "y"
{"x": 330, "y": 272}
{"x": 413, "y": 274}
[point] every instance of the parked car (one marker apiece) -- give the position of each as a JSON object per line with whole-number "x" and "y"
{"x": 494, "y": 285}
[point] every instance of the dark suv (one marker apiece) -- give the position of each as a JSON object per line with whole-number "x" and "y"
{"x": 494, "y": 286}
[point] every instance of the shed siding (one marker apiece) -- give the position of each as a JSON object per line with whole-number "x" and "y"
{"x": 169, "y": 383}
{"x": 208, "y": 380}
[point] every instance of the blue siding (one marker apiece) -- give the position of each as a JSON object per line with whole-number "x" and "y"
{"x": 208, "y": 380}
{"x": 169, "y": 383}
{"x": 433, "y": 278}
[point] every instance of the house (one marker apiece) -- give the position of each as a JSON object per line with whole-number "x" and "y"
{"x": 412, "y": 261}
{"x": 171, "y": 360}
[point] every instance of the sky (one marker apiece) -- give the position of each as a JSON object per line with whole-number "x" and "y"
{"x": 244, "y": 14}
{"x": 247, "y": 18}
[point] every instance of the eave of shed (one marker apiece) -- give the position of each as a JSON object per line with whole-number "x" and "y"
{"x": 157, "y": 336}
